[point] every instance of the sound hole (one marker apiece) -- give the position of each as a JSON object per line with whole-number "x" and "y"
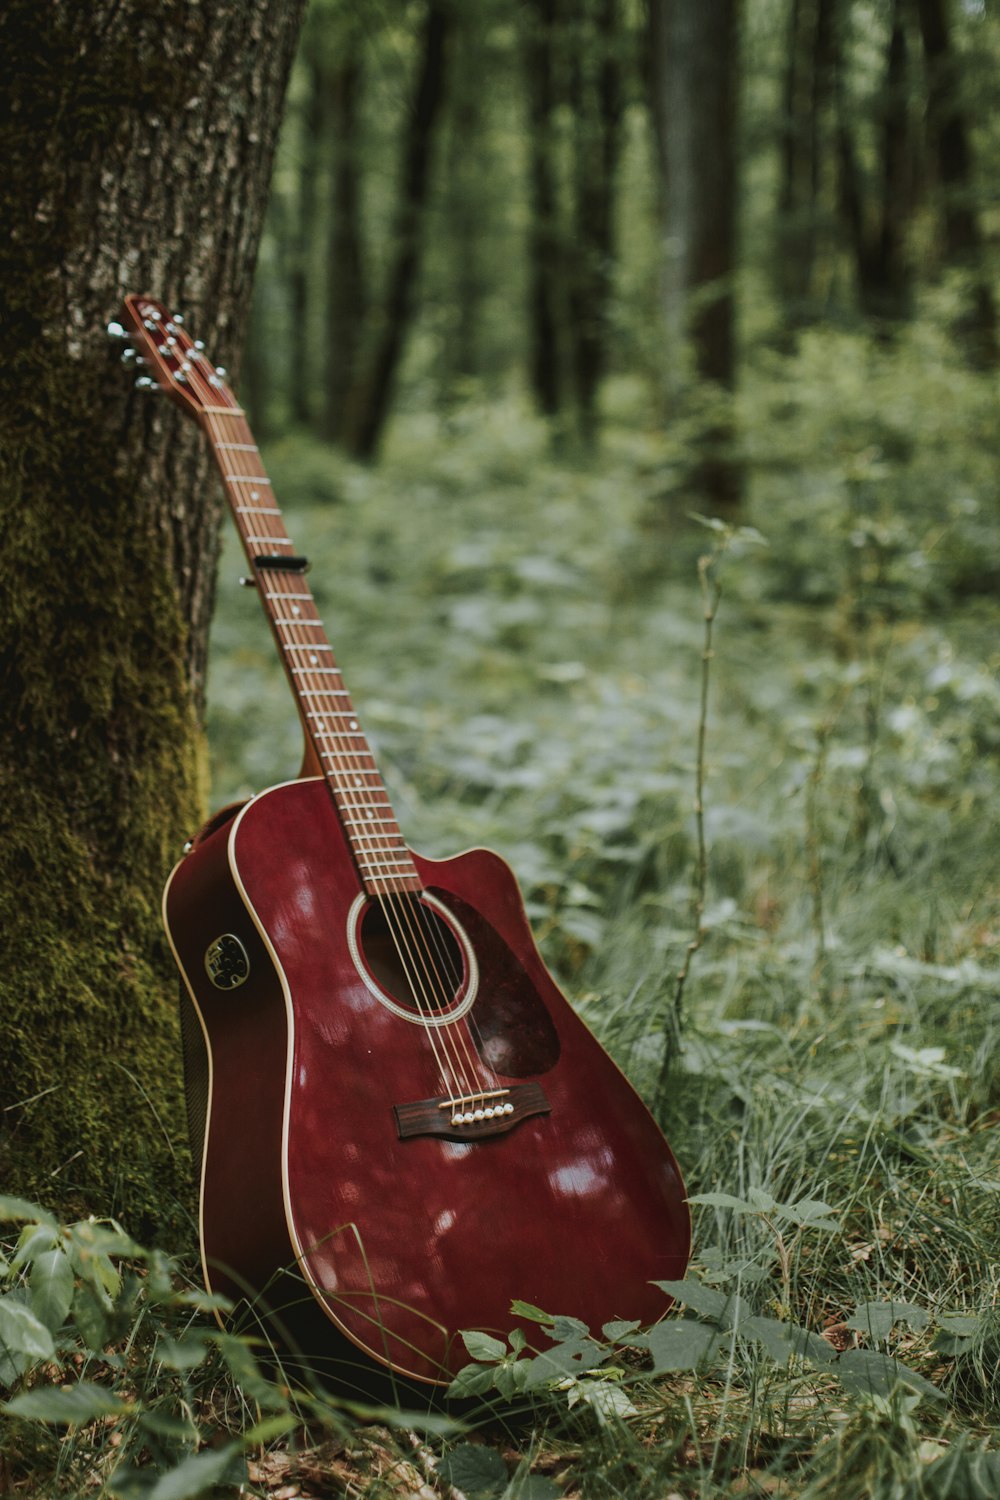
{"x": 411, "y": 953}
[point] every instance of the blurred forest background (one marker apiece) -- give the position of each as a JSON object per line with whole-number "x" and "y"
{"x": 541, "y": 285}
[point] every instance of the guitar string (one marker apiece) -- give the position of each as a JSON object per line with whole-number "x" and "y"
{"x": 404, "y": 935}
{"x": 425, "y": 922}
{"x": 347, "y": 775}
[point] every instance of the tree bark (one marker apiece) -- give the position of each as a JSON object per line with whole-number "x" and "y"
{"x": 597, "y": 98}
{"x": 949, "y": 135}
{"x": 347, "y": 287}
{"x": 137, "y": 148}
{"x": 877, "y": 211}
{"x": 371, "y": 393}
{"x": 807, "y": 129}
{"x": 693, "y": 49}
{"x": 545, "y": 251}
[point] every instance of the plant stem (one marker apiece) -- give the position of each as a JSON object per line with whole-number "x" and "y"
{"x": 711, "y": 593}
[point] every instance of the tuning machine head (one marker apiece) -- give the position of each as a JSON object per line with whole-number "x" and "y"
{"x": 116, "y": 331}
{"x": 148, "y": 385}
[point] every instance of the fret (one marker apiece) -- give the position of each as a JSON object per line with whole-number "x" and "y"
{"x": 339, "y": 745}
{"x": 374, "y": 864}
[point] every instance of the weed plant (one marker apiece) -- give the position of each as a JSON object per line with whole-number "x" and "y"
{"x": 523, "y": 639}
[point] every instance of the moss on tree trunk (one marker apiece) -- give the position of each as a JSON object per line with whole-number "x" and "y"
{"x": 137, "y": 144}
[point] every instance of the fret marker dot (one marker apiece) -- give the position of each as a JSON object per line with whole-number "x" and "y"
{"x": 313, "y": 658}
{"x": 296, "y": 610}
{"x": 320, "y": 723}
{"x": 354, "y": 723}
{"x": 358, "y": 781}
{"x": 254, "y": 494}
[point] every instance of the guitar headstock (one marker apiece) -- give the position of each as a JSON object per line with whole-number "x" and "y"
{"x": 171, "y": 360}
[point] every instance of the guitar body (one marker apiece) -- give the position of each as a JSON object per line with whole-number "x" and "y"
{"x": 367, "y": 1237}
{"x": 404, "y": 1125}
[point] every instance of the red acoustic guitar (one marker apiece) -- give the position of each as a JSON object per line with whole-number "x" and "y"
{"x": 404, "y": 1125}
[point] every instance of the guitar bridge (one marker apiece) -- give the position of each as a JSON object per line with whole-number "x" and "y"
{"x": 470, "y": 1117}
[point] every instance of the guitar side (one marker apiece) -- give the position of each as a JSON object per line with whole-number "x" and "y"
{"x": 392, "y": 1245}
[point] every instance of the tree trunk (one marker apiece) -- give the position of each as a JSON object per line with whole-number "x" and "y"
{"x": 877, "y": 213}
{"x": 949, "y": 134}
{"x": 137, "y": 149}
{"x": 371, "y": 393}
{"x": 545, "y": 253}
{"x": 806, "y": 134}
{"x": 693, "y": 47}
{"x": 347, "y": 290}
{"x": 597, "y": 99}
{"x": 301, "y": 292}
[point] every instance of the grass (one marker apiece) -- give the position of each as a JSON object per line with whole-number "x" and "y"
{"x": 523, "y": 641}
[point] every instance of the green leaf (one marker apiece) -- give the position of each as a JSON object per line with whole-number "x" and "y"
{"x": 271, "y": 1428}
{"x": 192, "y": 1476}
{"x": 473, "y": 1380}
{"x": 33, "y": 1240}
{"x": 21, "y": 1333}
{"x": 475, "y": 1470}
{"x": 167, "y": 1424}
{"x": 810, "y": 1213}
{"x": 571, "y": 1357}
{"x": 878, "y": 1319}
{"x": 243, "y": 1366}
{"x": 92, "y": 1310}
{"x": 704, "y": 1299}
{"x": 185, "y": 1353}
{"x": 73, "y": 1405}
{"x": 564, "y": 1328}
{"x": 51, "y": 1288}
{"x": 533, "y": 1487}
{"x": 482, "y": 1347}
{"x": 865, "y": 1372}
{"x": 516, "y": 1339}
{"x": 724, "y": 1200}
{"x": 614, "y": 1331}
{"x": 683, "y": 1344}
{"x": 15, "y": 1210}
{"x": 530, "y": 1312}
{"x": 782, "y": 1340}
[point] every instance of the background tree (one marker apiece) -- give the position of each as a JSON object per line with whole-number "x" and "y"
{"x": 137, "y": 148}
{"x": 694, "y": 78}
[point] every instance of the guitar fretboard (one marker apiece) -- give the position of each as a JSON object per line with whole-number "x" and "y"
{"x": 331, "y": 723}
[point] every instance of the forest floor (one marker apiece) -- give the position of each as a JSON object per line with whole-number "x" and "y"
{"x": 524, "y": 637}
{"x": 524, "y": 642}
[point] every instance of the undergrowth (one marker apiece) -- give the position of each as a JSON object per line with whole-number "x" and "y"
{"x": 523, "y": 641}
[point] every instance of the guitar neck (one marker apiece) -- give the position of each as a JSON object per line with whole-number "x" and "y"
{"x": 328, "y": 715}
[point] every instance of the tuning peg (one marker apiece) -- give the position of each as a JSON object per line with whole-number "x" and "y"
{"x": 131, "y": 357}
{"x": 116, "y": 331}
{"x": 177, "y": 318}
{"x": 219, "y": 370}
{"x": 145, "y": 383}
